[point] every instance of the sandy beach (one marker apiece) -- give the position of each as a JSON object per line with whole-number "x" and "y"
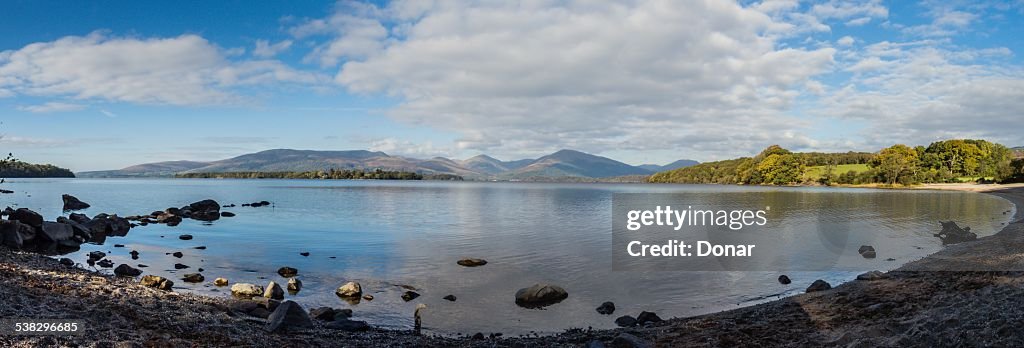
{"x": 911, "y": 306}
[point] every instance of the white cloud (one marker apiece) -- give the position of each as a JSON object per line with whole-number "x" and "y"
{"x": 527, "y": 78}
{"x": 264, "y": 49}
{"x": 52, "y": 107}
{"x": 183, "y": 70}
{"x": 845, "y": 41}
{"x": 856, "y": 22}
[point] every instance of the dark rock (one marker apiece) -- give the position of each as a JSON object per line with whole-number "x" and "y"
{"x": 471, "y": 262}
{"x": 540, "y": 295}
{"x": 784, "y": 279}
{"x": 134, "y": 254}
{"x": 263, "y": 302}
{"x": 54, "y": 232}
{"x": 205, "y": 216}
{"x": 348, "y": 325}
{"x": 478, "y": 336}
{"x": 873, "y": 275}
{"x": 119, "y": 245}
{"x": 274, "y": 291}
{"x": 227, "y": 214}
{"x": 177, "y": 254}
{"x": 340, "y": 314}
{"x": 951, "y": 233}
{"x": 171, "y": 211}
{"x": 124, "y": 270}
{"x": 322, "y": 313}
{"x": 410, "y": 295}
{"x": 193, "y": 278}
{"x": 185, "y": 237}
{"x": 606, "y": 308}
{"x": 105, "y": 263}
{"x": 26, "y": 216}
{"x": 180, "y": 266}
{"x": 141, "y": 265}
{"x": 304, "y": 253}
{"x": 450, "y": 298}
{"x": 96, "y": 255}
{"x": 287, "y": 272}
{"x": 72, "y": 203}
{"x": 15, "y": 234}
{"x": 241, "y": 306}
{"x": 294, "y": 285}
{"x": 368, "y": 297}
{"x": 205, "y": 205}
{"x": 625, "y": 340}
{"x": 647, "y": 317}
{"x": 819, "y": 285}
{"x": 288, "y": 316}
{"x": 69, "y": 262}
{"x": 156, "y": 282}
{"x": 867, "y": 251}
{"x": 171, "y": 220}
{"x": 595, "y": 344}
{"x": 625, "y": 321}
{"x": 79, "y": 218}
{"x": 260, "y": 313}
{"x": 201, "y": 247}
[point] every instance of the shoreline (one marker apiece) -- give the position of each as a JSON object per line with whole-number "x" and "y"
{"x": 909, "y": 307}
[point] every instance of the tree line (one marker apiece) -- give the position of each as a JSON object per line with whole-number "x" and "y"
{"x": 11, "y": 167}
{"x": 941, "y": 161}
{"x": 335, "y": 174}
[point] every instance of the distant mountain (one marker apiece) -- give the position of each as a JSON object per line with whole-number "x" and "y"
{"x": 674, "y": 165}
{"x": 571, "y": 163}
{"x": 561, "y": 164}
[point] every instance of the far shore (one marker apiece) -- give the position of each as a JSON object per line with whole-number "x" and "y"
{"x": 914, "y": 305}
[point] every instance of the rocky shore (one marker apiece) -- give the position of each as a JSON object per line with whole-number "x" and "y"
{"x": 911, "y": 306}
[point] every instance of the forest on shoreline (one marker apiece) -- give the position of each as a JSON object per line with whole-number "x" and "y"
{"x": 956, "y": 160}
{"x": 11, "y": 167}
{"x": 331, "y": 174}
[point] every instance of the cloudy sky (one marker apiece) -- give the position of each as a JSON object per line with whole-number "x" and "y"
{"x": 102, "y": 86}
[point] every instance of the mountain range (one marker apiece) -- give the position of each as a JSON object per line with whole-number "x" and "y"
{"x": 561, "y": 164}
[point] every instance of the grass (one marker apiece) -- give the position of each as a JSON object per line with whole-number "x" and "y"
{"x": 816, "y": 172}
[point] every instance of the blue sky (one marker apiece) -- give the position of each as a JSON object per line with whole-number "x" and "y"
{"x": 104, "y": 85}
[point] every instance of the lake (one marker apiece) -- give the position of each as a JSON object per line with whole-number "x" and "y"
{"x": 386, "y": 234}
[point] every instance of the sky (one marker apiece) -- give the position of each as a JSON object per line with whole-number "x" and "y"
{"x": 103, "y": 85}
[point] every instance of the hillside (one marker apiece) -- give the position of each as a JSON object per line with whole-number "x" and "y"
{"x": 19, "y": 169}
{"x": 559, "y": 166}
{"x": 683, "y": 163}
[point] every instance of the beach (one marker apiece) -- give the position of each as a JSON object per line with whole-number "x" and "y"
{"x": 914, "y": 305}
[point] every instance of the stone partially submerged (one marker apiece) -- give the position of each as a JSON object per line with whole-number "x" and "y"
{"x": 953, "y": 234}
{"x": 73, "y": 203}
{"x": 540, "y": 295}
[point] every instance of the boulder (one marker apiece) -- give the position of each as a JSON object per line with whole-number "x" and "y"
{"x": 170, "y": 220}
{"x": 606, "y": 308}
{"x": 156, "y": 282}
{"x": 951, "y": 233}
{"x": 867, "y": 251}
{"x": 220, "y": 282}
{"x": 246, "y": 290}
{"x": 124, "y": 270}
{"x": 625, "y": 321}
{"x": 322, "y": 313}
{"x": 177, "y": 254}
{"x": 873, "y": 275}
{"x": 294, "y": 285}
{"x": 96, "y": 255}
{"x": 368, "y": 297}
{"x": 15, "y": 234}
{"x": 540, "y": 295}
{"x": 227, "y": 214}
{"x": 340, "y": 314}
{"x": 79, "y": 218}
{"x": 26, "y": 216}
{"x": 105, "y": 263}
{"x": 348, "y": 325}
{"x": 350, "y": 289}
{"x": 72, "y": 203}
{"x": 819, "y": 285}
{"x": 287, "y": 272}
{"x": 205, "y": 205}
{"x": 205, "y": 215}
{"x": 288, "y": 316}
{"x": 784, "y": 280}
{"x": 53, "y": 232}
{"x": 69, "y": 262}
{"x": 647, "y": 317}
{"x": 471, "y": 262}
{"x": 180, "y": 266}
{"x": 274, "y": 291}
{"x": 193, "y": 278}
{"x": 185, "y": 237}
{"x": 410, "y": 295}
{"x": 450, "y": 298}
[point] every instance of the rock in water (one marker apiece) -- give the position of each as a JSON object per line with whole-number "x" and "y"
{"x": 124, "y": 270}
{"x": 350, "y": 289}
{"x": 450, "y": 298}
{"x": 227, "y": 214}
{"x": 193, "y": 278}
{"x": 951, "y": 233}
{"x": 873, "y": 275}
{"x": 105, "y": 263}
{"x": 69, "y": 262}
{"x": 647, "y": 317}
{"x": 54, "y": 232}
{"x": 220, "y": 282}
{"x": 185, "y": 237}
{"x": 472, "y": 262}
{"x": 246, "y": 290}
{"x": 156, "y": 282}
{"x": 410, "y": 295}
{"x": 819, "y": 285}
{"x": 606, "y": 308}
{"x": 177, "y": 254}
{"x": 540, "y": 295}
{"x": 784, "y": 280}
{"x": 294, "y": 285}
{"x": 274, "y": 291}
{"x": 287, "y": 272}
{"x": 867, "y": 251}
{"x": 72, "y": 203}
{"x": 368, "y": 297}
{"x": 26, "y": 216}
{"x": 288, "y": 316}
{"x": 180, "y": 266}
{"x": 625, "y": 321}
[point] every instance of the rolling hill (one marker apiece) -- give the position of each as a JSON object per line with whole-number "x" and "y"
{"x": 683, "y": 163}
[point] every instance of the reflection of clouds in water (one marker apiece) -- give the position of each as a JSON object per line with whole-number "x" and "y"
{"x": 386, "y": 234}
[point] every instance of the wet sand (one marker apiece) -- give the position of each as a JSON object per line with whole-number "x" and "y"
{"x": 915, "y": 305}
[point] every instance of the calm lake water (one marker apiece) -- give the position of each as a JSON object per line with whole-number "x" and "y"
{"x": 385, "y": 234}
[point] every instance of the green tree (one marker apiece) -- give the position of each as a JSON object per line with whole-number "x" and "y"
{"x": 896, "y": 164}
